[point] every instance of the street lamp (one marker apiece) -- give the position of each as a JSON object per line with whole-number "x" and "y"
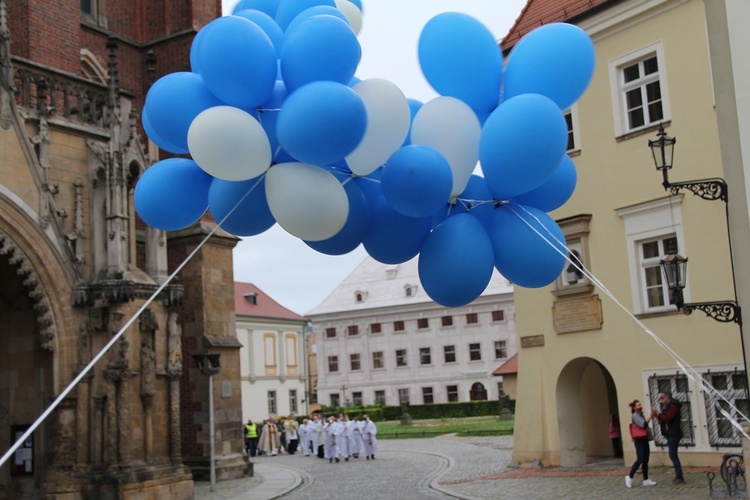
{"x": 209, "y": 365}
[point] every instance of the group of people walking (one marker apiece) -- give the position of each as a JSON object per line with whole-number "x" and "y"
{"x": 332, "y": 438}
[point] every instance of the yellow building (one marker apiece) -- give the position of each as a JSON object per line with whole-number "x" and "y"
{"x": 582, "y": 357}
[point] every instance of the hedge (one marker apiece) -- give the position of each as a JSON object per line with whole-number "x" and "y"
{"x": 421, "y": 412}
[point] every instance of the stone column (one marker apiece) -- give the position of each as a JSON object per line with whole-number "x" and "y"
{"x": 282, "y": 356}
{"x": 174, "y": 372}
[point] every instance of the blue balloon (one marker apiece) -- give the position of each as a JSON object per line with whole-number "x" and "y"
{"x": 158, "y": 140}
{"x": 355, "y": 228}
{"x": 172, "y": 194}
{"x": 522, "y": 143}
{"x": 267, "y": 24}
{"x": 237, "y": 61}
{"x": 172, "y": 103}
{"x": 267, "y": 115}
{"x": 269, "y": 7}
{"x": 417, "y": 181}
{"x": 521, "y": 253}
{"x": 318, "y": 10}
{"x": 289, "y": 9}
{"x": 414, "y": 107}
{"x": 321, "y": 48}
{"x": 371, "y": 184}
{"x": 477, "y": 199}
{"x": 555, "y": 60}
{"x": 354, "y": 81}
{"x": 555, "y": 191}
{"x": 321, "y": 122}
{"x": 460, "y": 58}
{"x": 252, "y": 216}
{"x": 393, "y": 238}
{"x": 456, "y": 261}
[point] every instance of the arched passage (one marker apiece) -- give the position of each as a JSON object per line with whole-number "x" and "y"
{"x": 478, "y": 392}
{"x": 586, "y": 397}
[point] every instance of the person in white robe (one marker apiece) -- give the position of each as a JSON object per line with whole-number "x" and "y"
{"x": 355, "y": 437}
{"x": 269, "y": 438}
{"x": 331, "y": 429}
{"x": 369, "y": 431}
{"x": 304, "y": 433}
{"x": 312, "y": 435}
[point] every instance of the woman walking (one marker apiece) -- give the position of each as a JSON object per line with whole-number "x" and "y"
{"x": 641, "y": 435}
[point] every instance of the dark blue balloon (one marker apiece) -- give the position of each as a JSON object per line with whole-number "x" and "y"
{"x": 522, "y": 143}
{"x": 267, "y": 24}
{"x": 155, "y": 137}
{"x": 321, "y": 48}
{"x": 269, "y": 7}
{"x": 289, "y": 9}
{"x": 460, "y": 58}
{"x": 172, "y": 194}
{"x": 318, "y": 10}
{"x": 417, "y": 181}
{"x": 555, "y": 191}
{"x": 371, "y": 184}
{"x": 355, "y": 228}
{"x": 252, "y": 216}
{"x": 414, "y": 106}
{"x": 394, "y": 238}
{"x": 237, "y": 61}
{"x": 456, "y": 261}
{"x": 521, "y": 253}
{"x": 173, "y": 102}
{"x": 321, "y": 122}
{"x": 555, "y": 60}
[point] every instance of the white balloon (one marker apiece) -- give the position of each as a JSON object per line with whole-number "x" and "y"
{"x": 229, "y": 144}
{"x": 450, "y": 126}
{"x": 388, "y": 119}
{"x": 352, "y": 13}
{"x": 307, "y": 201}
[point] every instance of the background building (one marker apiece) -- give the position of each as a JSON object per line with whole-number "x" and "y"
{"x": 582, "y": 357}
{"x": 76, "y": 263}
{"x": 381, "y": 340}
{"x": 273, "y": 360}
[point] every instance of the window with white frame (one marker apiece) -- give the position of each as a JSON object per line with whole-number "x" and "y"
{"x": 272, "y": 402}
{"x": 651, "y": 228}
{"x": 333, "y": 364}
{"x": 403, "y": 396}
{"x": 425, "y": 356}
{"x": 501, "y": 349}
{"x": 400, "y": 357}
{"x": 379, "y": 397}
{"x": 678, "y": 386}
{"x": 357, "y": 398}
{"x": 354, "y": 362}
{"x": 427, "y": 395}
{"x": 729, "y": 399}
{"x": 475, "y": 352}
{"x": 335, "y": 400}
{"x": 571, "y": 123}
{"x": 293, "y": 400}
{"x": 452, "y": 391}
{"x": 377, "y": 360}
{"x": 639, "y": 89}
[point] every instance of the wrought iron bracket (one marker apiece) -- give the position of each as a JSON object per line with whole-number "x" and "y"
{"x": 725, "y": 312}
{"x": 709, "y": 189}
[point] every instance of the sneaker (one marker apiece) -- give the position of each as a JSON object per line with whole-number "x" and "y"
{"x": 648, "y": 482}
{"x": 628, "y": 481}
{"x": 678, "y": 481}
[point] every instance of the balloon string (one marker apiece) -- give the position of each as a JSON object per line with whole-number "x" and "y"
{"x": 684, "y": 366}
{"x": 119, "y": 334}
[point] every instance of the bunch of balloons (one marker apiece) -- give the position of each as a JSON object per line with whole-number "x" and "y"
{"x": 279, "y": 130}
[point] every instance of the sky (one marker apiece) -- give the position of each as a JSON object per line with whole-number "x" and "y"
{"x": 281, "y": 265}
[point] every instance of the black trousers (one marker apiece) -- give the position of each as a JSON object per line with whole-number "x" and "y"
{"x": 643, "y": 452}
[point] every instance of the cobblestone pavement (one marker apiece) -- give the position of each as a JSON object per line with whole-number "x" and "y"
{"x": 444, "y": 467}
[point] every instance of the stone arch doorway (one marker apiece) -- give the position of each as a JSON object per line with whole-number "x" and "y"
{"x": 478, "y": 392}
{"x": 26, "y": 379}
{"x": 586, "y": 397}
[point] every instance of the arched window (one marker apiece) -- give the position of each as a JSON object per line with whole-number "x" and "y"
{"x": 91, "y": 68}
{"x": 478, "y": 392}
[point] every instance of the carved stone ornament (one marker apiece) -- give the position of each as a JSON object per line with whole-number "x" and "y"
{"x": 38, "y": 295}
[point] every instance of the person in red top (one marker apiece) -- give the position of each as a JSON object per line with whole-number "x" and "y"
{"x": 671, "y": 427}
{"x": 614, "y": 435}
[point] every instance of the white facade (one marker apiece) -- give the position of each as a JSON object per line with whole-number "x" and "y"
{"x": 380, "y": 338}
{"x": 273, "y": 366}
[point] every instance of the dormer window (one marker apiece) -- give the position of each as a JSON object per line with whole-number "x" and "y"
{"x": 251, "y": 297}
{"x": 360, "y": 296}
{"x": 410, "y": 290}
{"x": 391, "y": 272}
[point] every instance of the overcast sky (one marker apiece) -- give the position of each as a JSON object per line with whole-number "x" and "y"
{"x": 283, "y": 266}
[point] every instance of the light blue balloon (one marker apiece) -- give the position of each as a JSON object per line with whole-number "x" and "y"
{"x": 269, "y": 7}
{"x": 522, "y": 143}
{"x": 321, "y": 122}
{"x": 521, "y": 254}
{"x": 414, "y": 107}
{"x": 417, "y": 181}
{"x": 173, "y": 102}
{"x": 555, "y": 60}
{"x": 172, "y": 194}
{"x": 156, "y": 138}
{"x": 393, "y": 238}
{"x": 238, "y": 62}
{"x": 267, "y": 24}
{"x": 252, "y": 216}
{"x": 318, "y": 10}
{"x": 555, "y": 191}
{"x": 355, "y": 228}
{"x": 321, "y": 48}
{"x": 289, "y": 9}
{"x": 456, "y": 261}
{"x": 460, "y": 58}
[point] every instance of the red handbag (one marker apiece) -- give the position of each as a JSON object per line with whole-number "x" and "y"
{"x": 637, "y": 432}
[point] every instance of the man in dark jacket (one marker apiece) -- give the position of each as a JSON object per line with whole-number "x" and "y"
{"x": 672, "y": 429}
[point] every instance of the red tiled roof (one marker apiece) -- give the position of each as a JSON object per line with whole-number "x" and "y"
{"x": 265, "y": 306}
{"x": 510, "y": 367}
{"x": 539, "y": 12}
